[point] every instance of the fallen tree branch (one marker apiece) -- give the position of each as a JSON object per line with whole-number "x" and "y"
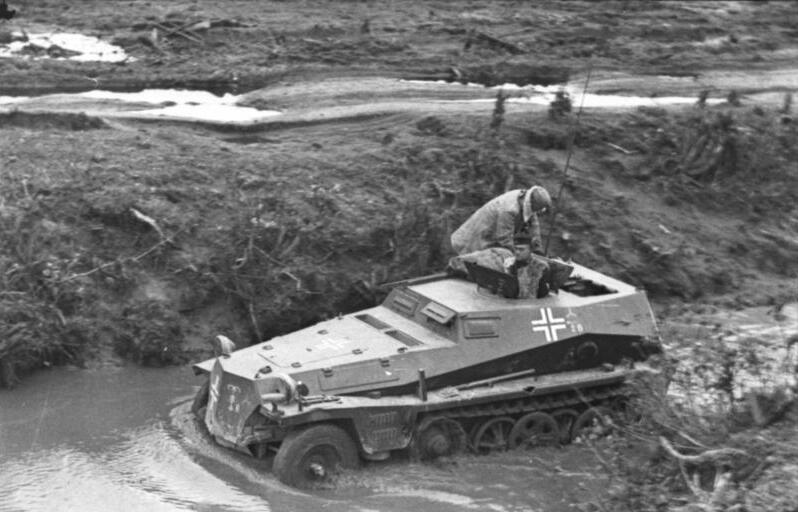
{"x": 254, "y": 321}
{"x": 619, "y": 148}
{"x": 718, "y": 456}
{"x": 148, "y": 220}
{"x": 292, "y": 276}
{"x": 179, "y": 31}
{"x": 114, "y": 262}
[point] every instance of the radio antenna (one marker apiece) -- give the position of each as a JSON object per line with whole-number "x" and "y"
{"x": 571, "y": 140}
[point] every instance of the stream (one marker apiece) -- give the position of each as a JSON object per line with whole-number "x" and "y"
{"x": 124, "y": 439}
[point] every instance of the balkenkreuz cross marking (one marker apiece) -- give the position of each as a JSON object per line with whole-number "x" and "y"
{"x": 548, "y": 324}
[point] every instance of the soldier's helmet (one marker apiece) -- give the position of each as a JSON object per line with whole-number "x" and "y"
{"x": 539, "y": 199}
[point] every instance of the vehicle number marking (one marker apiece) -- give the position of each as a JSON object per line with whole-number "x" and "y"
{"x": 233, "y": 391}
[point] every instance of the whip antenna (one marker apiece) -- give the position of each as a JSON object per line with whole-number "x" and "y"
{"x": 555, "y": 208}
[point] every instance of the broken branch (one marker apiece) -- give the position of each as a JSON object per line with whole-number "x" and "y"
{"x": 619, "y": 148}
{"x": 148, "y": 220}
{"x": 710, "y": 456}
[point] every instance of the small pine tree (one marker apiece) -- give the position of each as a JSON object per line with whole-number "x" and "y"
{"x": 498, "y": 111}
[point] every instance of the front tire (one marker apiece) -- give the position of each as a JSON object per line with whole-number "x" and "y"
{"x": 312, "y": 457}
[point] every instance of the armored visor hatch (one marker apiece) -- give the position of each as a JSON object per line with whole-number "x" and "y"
{"x": 369, "y": 381}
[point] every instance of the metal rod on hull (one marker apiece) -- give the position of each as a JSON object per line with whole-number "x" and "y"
{"x": 422, "y": 385}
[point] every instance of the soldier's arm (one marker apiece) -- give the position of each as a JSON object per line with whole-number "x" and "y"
{"x": 505, "y": 229}
{"x": 534, "y": 233}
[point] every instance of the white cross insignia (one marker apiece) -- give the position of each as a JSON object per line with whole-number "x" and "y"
{"x": 548, "y": 324}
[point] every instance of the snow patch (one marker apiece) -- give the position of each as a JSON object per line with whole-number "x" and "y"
{"x": 63, "y": 46}
{"x": 175, "y": 104}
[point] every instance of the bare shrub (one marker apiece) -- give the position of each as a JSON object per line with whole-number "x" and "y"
{"x": 561, "y": 105}
{"x": 150, "y": 334}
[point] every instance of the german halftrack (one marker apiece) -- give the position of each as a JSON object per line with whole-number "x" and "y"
{"x": 440, "y": 365}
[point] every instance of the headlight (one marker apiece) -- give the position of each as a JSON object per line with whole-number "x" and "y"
{"x": 276, "y": 388}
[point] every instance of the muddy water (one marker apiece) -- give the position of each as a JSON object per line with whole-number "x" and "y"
{"x": 123, "y": 439}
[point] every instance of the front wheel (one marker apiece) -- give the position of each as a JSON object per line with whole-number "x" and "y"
{"x": 313, "y": 456}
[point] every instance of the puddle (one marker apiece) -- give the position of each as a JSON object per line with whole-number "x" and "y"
{"x": 63, "y": 46}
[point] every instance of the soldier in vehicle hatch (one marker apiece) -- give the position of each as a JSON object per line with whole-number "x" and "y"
{"x": 502, "y": 236}
{"x": 501, "y": 219}
{"x": 526, "y": 269}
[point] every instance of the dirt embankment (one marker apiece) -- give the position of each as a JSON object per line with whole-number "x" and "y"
{"x": 150, "y": 238}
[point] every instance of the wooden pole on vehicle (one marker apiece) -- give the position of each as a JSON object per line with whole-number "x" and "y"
{"x": 571, "y": 140}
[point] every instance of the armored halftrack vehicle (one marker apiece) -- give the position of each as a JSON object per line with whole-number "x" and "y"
{"x": 440, "y": 365}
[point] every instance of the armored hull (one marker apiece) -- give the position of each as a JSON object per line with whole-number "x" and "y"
{"x": 434, "y": 333}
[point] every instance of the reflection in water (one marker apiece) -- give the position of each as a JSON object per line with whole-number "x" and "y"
{"x": 124, "y": 439}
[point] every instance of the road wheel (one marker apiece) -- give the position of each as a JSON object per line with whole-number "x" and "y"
{"x": 534, "y": 429}
{"x": 565, "y": 419}
{"x": 492, "y": 435}
{"x": 201, "y": 399}
{"x": 437, "y": 436}
{"x": 312, "y": 457}
{"x": 624, "y": 412}
{"x": 593, "y": 423}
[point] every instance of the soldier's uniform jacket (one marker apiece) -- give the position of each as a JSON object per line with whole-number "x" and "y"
{"x": 496, "y": 223}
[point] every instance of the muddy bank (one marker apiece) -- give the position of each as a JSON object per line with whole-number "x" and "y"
{"x": 152, "y": 240}
{"x": 201, "y": 233}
